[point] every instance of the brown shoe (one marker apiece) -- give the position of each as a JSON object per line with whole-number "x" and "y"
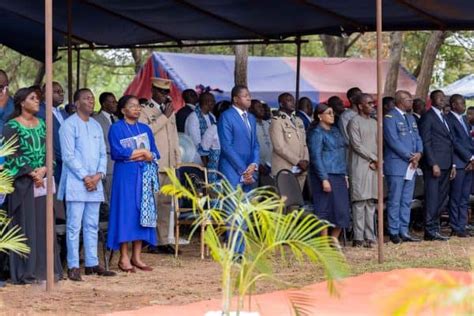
{"x": 74, "y": 274}
{"x": 99, "y": 271}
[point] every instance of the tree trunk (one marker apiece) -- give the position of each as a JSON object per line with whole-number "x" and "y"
{"x": 241, "y": 59}
{"x": 39, "y": 73}
{"x": 334, "y": 45}
{"x": 428, "y": 60}
{"x": 137, "y": 58}
{"x": 396, "y": 47}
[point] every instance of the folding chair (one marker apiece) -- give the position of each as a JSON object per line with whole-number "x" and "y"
{"x": 289, "y": 188}
{"x": 183, "y": 209}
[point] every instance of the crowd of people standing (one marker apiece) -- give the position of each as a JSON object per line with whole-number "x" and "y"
{"x": 117, "y": 157}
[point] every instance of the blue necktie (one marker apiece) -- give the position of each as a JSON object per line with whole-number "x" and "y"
{"x": 247, "y": 124}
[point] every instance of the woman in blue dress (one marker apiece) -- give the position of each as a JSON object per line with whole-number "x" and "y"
{"x": 132, "y": 208}
{"x": 328, "y": 171}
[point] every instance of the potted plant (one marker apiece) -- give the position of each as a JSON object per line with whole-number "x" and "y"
{"x": 258, "y": 219}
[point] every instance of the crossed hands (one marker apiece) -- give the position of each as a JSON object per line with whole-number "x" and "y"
{"x": 37, "y": 175}
{"x": 248, "y": 174}
{"x": 141, "y": 155}
{"x": 415, "y": 160}
{"x": 91, "y": 182}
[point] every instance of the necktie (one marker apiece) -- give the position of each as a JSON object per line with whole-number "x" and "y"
{"x": 408, "y": 122}
{"x": 112, "y": 119}
{"x": 246, "y": 121}
{"x": 445, "y": 123}
{"x": 465, "y": 126}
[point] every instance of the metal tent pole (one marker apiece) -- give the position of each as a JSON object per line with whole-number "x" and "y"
{"x": 48, "y": 30}
{"x": 78, "y": 69}
{"x": 298, "y": 67}
{"x": 379, "y": 131}
{"x": 69, "y": 51}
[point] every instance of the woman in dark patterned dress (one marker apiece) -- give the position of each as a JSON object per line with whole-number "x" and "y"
{"x": 27, "y": 166}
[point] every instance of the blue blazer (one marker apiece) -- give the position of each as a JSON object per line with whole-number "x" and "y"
{"x": 401, "y": 140}
{"x": 462, "y": 141}
{"x": 238, "y": 149}
{"x": 437, "y": 141}
{"x": 303, "y": 117}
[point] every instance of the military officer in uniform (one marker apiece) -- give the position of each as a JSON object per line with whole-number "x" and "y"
{"x": 403, "y": 149}
{"x": 288, "y": 136}
{"x": 158, "y": 113}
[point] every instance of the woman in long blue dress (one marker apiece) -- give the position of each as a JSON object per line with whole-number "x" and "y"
{"x": 132, "y": 208}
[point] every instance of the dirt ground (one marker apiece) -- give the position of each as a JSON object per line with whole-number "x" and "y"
{"x": 189, "y": 279}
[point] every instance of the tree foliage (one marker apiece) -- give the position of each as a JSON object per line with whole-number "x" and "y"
{"x": 113, "y": 70}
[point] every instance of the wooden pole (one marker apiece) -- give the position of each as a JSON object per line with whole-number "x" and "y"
{"x": 69, "y": 51}
{"x": 298, "y": 68}
{"x": 48, "y": 30}
{"x": 379, "y": 131}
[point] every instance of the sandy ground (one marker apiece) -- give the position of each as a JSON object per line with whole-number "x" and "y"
{"x": 190, "y": 279}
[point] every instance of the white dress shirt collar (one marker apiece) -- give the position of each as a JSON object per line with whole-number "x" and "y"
{"x": 400, "y": 111}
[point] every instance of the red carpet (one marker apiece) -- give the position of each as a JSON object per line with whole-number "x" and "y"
{"x": 366, "y": 294}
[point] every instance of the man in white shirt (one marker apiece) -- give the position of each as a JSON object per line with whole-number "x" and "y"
{"x": 197, "y": 123}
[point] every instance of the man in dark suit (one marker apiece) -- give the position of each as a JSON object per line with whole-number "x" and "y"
{"x": 402, "y": 152}
{"x": 59, "y": 115}
{"x": 464, "y": 160}
{"x": 438, "y": 163}
{"x": 190, "y": 99}
{"x": 305, "y": 111}
{"x": 106, "y": 117}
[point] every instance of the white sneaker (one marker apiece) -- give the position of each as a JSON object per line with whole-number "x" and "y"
{"x": 181, "y": 241}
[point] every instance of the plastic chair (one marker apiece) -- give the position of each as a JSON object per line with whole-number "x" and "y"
{"x": 289, "y": 188}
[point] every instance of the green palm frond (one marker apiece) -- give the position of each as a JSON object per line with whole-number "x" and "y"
{"x": 258, "y": 217}
{"x": 424, "y": 292}
{"x": 301, "y": 303}
{"x": 11, "y": 238}
{"x": 8, "y": 147}
{"x": 6, "y": 182}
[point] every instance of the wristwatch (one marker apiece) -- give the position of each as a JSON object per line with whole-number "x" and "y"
{"x": 102, "y": 175}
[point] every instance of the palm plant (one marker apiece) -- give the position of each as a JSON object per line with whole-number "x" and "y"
{"x": 11, "y": 238}
{"x": 258, "y": 220}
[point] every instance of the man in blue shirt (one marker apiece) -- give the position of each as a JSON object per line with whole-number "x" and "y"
{"x": 402, "y": 151}
{"x": 84, "y": 166}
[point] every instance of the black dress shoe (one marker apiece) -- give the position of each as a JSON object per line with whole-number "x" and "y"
{"x": 99, "y": 271}
{"x": 395, "y": 239}
{"x": 357, "y": 243}
{"x": 74, "y": 274}
{"x": 436, "y": 236}
{"x": 408, "y": 238}
{"x": 459, "y": 234}
{"x": 163, "y": 249}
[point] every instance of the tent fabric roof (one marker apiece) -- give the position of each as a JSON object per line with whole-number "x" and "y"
{"x": 464, "y": 87}
{"x": 267, "y": 76}
{"x": 121, "y": 23}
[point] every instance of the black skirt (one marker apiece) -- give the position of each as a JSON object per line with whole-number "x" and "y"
{"x": 331, "y": 206}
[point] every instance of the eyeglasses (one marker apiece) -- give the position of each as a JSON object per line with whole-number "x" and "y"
{"x": 3, "y": 86}
{"x": 133, "y": 106}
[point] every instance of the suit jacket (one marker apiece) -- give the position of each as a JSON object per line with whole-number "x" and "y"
{"x": 56, "y": 125}
{"x": 105, "y": 124}
{"x": 165, "y": 132}
{"x": 401, "y": 140}
{"x": 304, "y": 118}
{"x": 238, "y": 148}
{"x": 181, "y": 117}
{"x": 289, "y": 142}
{"x": 462, "y": 141}
{"x": 437, "y": 141}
